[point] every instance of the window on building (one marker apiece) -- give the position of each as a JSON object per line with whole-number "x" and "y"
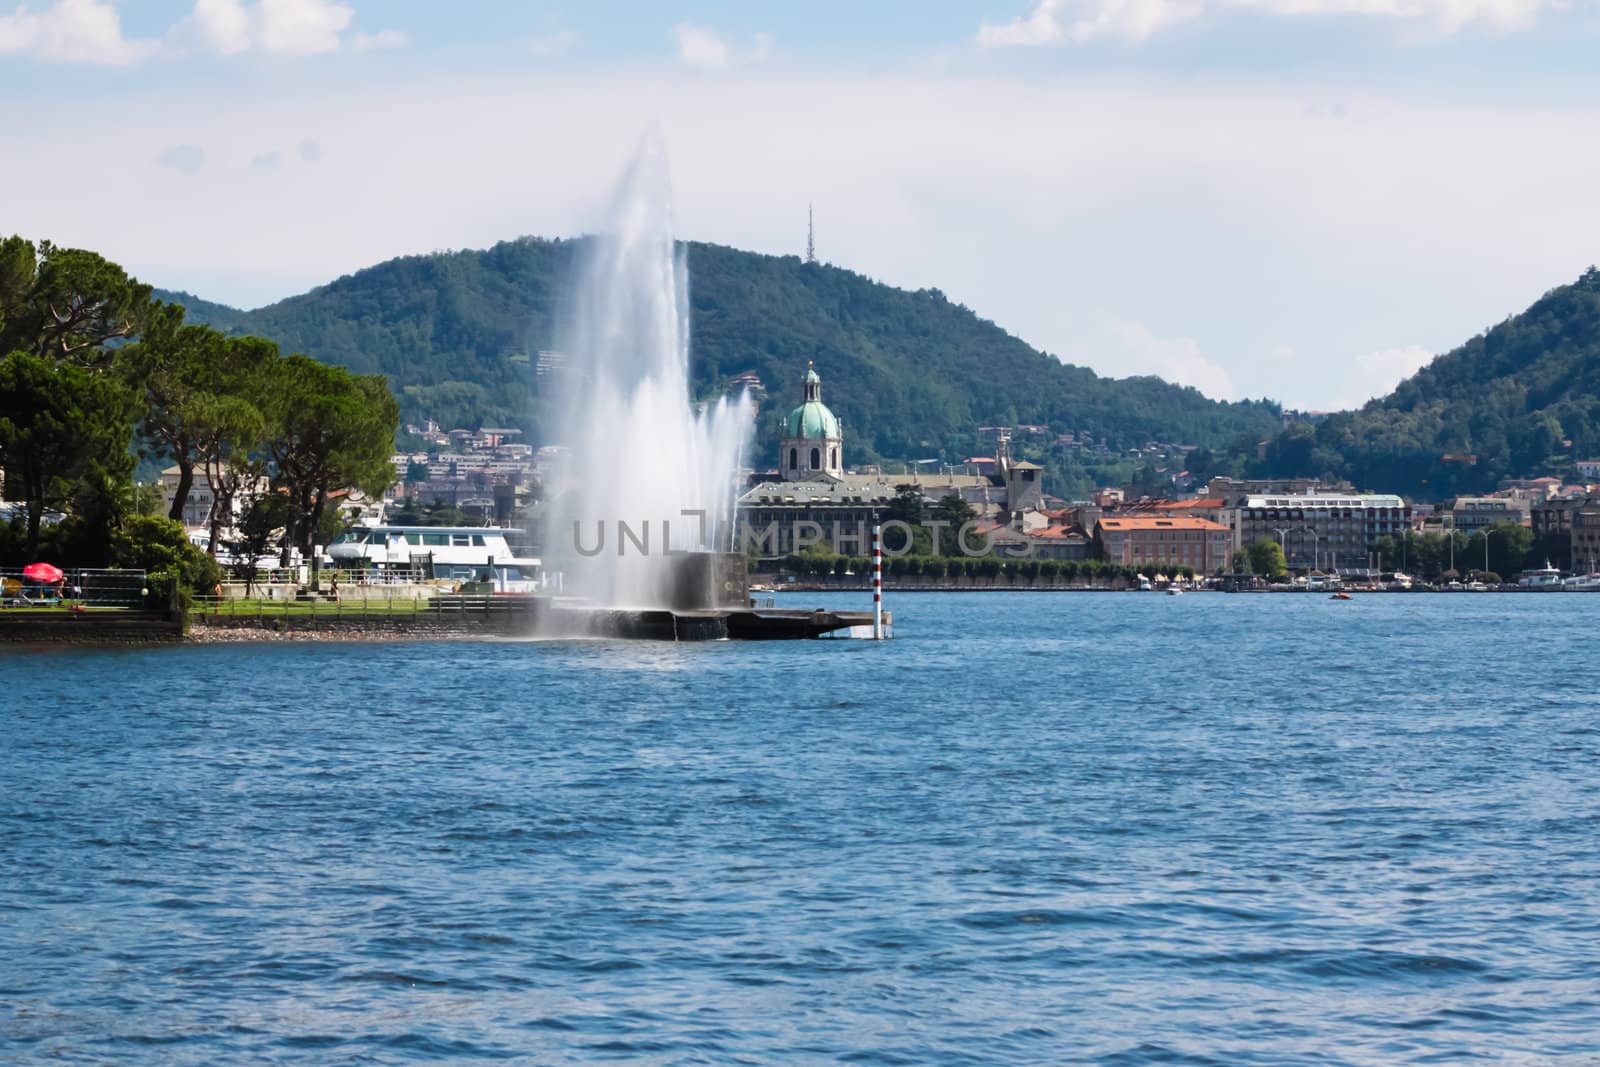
{"x": 794, "y": 458}
{"x": 835, "y": 462}
{"x": 816, "y": 459}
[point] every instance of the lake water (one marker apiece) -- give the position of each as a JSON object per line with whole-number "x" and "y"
{"x": 1034, "y": 828}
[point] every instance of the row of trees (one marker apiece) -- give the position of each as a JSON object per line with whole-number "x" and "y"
{"x": 1507, "y": 548}
{"x": 93, "y": 370}
{"x": 821, "y": 565}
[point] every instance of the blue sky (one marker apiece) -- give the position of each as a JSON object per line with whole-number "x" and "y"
{"x": 1301, "y": 199}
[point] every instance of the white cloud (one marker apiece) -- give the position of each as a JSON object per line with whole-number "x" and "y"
{"x": 1177, "y": 359}
{"x": 549, "y": 45}
{"x": 281, "y": 27}
{"x": 1076, "y": 21}
{"x": 1448, "y": 15}
{"x": 184, "y": 158}
{"x": 380, "y": 41}
{"x": 72, "y": 31}
{"x": 1056, "y": 22}
{"x": 1209, "y": 211}
{"x": 221, "y": 26}
{"x": 701, "y": 47}
{"x": 1378, "y": 372}
{"x": 301, "y": 27}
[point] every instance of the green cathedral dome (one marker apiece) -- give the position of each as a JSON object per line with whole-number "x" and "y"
{"x": 811, "y": 419}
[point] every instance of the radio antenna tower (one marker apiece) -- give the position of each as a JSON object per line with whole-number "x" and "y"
{"x": 811, "y": 236}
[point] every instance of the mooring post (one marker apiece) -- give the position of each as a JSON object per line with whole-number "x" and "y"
{"x": 877, "y": 583}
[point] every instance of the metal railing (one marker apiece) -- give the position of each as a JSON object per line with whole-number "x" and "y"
{"x": 92, "y": 587}
{"x": 325, "y": 605}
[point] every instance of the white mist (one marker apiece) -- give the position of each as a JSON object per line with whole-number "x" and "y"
{"x": 639, "y": 454}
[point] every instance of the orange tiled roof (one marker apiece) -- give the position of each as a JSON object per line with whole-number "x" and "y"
{"x": 1176, "y": 505}
{"x": 1058, "y": 532}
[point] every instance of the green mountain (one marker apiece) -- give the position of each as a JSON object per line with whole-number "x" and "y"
{"x": 911, "y": 374}
{"x": 1521, "y": 399}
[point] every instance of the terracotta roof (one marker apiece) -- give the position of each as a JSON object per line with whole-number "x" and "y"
{"x": 1178, "y": 505}
{"x": 1059, "y": 533}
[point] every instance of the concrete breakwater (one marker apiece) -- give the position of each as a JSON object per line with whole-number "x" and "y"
{"x": 508, "y": 617}
{"x": 64, "y": 627}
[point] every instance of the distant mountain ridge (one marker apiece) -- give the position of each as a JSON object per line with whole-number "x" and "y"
{"x": 911, "y": 374}
{"x": 1520, "y": 399}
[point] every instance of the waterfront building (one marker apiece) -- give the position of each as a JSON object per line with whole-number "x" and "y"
{"x": 1552, "y": 520}
{"x": 1326, "y": 531}
{"x": 1234, "y": 488}
{"x": 811, "y": 494}
{"x": 1213, "y": 508}
{"x": 812, "y": 443}
{"x": 197, "y": 505}
{"x": 1157, "y": 541}
{"x": 1586, "y": 536}
{"x": 1469, "y": 514}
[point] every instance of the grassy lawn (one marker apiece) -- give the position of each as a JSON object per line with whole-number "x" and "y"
{"x": 280, "y": 608}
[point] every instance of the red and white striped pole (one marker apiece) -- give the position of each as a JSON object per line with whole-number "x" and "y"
{"x": 877, "y": 583}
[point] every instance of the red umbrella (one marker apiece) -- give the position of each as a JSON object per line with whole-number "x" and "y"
{"x": 43, "y": 573}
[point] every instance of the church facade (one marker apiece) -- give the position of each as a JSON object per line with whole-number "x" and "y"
{"x": 814, "y": 495}
{"x": 812, "y": 443}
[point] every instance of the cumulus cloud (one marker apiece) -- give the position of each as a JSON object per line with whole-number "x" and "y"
{"x": 380, "y": 41}
{"x": 1177, "y": 359}
{"x": 1056, "y": 22}
{"x": 1448, "y": 15}
{"x": 184, "y": 158}
{"x": 547, "y": 45}
{"x": 1075, "y": 21}
{"x": 1380, "y": 371}
{"x": 275, "y": 27}
{"x": 701, "y": 47}
{"x": 72, "y": 31}
{"x": 1183, "y": 207}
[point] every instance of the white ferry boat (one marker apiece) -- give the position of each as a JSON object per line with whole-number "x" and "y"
{"x": 1583, "y": 583}
{"x": 458, "y": 553}
{"x": 1546, "y": 577}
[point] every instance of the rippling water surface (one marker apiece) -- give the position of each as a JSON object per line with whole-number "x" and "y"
{"x": 1032, "y": 829}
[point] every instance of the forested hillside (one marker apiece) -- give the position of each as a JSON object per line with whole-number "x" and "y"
{"x": 1519, "y": 400}
{"x": 911, "y": 374}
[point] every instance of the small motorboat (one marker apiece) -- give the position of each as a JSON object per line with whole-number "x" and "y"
{"x": 1340, "y": 596}
{"x": 1173, "y": 590}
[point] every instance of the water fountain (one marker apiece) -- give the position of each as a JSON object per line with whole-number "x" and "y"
{"x": 645, "y": 497}
{"x": 640, "y": 524}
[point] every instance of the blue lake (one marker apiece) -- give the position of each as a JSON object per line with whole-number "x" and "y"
{"x": 1034, "y": 828}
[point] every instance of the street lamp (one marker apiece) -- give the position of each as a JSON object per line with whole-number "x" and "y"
{"x": 1316, "y": 540}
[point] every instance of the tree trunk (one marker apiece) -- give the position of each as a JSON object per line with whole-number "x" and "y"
{"x": 223, "y": 490}
{"x": 180, "y": 496}
{"x": 35, "y": 514}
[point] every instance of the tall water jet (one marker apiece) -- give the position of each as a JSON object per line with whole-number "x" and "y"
{"x": 646, "y": 477}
